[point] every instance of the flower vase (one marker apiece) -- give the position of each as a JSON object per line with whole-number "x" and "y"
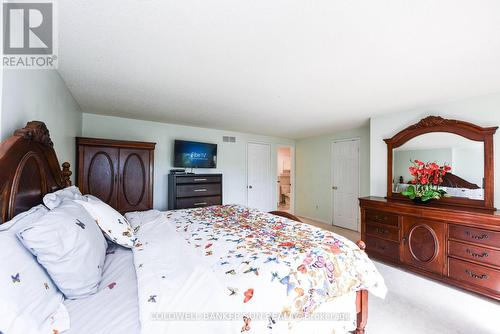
{"x": 418, "y": 200}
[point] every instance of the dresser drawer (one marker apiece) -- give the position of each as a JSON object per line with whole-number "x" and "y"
{"x": 382, "y": 247}
{"x": 198, "y": 202}
{"x": 382, "y": 231}
{"x": 196, "y": 190}
{"x": 474, "y": 274}
{"x": 381, "y": 217}
{"x": 473, "y": 252}
{"x": 475, "y": 235}
{"x": 199, "y": 179}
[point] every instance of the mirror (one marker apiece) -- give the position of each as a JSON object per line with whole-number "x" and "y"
{"x": 465, "y": 147}
{"x": 464, "y": 156}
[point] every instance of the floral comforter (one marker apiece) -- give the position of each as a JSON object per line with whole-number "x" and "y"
{"x": 231, "y": 269}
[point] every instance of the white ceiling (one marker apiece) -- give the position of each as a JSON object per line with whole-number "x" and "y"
{"x": 279, "y": 67}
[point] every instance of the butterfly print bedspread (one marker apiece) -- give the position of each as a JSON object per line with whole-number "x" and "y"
{"x": 232, "y": 258}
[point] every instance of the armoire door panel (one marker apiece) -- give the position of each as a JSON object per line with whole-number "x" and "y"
{"x": 134, "y": 180}
{"x": 423, "y": 244}
{"x": 100, "y": 173}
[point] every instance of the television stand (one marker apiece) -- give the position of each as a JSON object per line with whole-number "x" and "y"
{"x": 194, "y": 190}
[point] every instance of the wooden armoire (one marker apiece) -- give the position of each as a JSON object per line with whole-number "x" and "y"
{"x": 118, "y": 172}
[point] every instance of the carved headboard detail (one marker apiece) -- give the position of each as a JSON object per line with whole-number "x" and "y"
{"x": 29, "y": 169}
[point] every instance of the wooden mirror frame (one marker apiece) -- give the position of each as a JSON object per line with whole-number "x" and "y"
{"x": 464, "y": 129}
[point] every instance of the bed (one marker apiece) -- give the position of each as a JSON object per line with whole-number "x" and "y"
{"x": 187, "y": 251}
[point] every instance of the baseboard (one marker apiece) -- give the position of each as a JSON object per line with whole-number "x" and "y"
{"x": 315, "y": 219}
{"x": 327, "y": 223}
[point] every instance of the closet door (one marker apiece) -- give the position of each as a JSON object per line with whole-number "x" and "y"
{"x": 135, "y": 181}
{"x": 98, "y": 172}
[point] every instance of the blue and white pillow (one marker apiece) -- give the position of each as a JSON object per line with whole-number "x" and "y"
{"x": 70, "y": 246}
{"x": 112, "y": 223}
{"x": 29, "y": 300}
{"x": 53, "y": 200}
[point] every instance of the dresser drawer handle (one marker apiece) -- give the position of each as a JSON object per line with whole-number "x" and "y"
{"x": 471, "y": 253}
{"x": 381, "y": 230}
{"x": 476, "y": 276}
{"x": 377, "y": 217}
{"x": 200, "y": 203}
{"x": 200, "y": 179}
{"x": 476, "y": 237}
{"x": 200, "y": 190}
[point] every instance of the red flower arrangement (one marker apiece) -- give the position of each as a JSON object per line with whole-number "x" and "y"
{"x": 427, "y": 178}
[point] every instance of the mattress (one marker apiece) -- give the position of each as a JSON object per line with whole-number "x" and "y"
{"x": 114, "y": 308}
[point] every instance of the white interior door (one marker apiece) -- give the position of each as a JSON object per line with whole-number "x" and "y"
{"x": 345, "y": 172}
{"x": 259, "y": 177}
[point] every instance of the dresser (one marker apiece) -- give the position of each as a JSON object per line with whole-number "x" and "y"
{"x": 454, "y": 238}
{"x": 457, "y": 246}
{"x": 118, "y": 172}
{"x": 194, "y": 190}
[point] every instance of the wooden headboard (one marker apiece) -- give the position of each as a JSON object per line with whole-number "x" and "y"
{"x": 29, "y": 169}
{"x": 453, "y": 181}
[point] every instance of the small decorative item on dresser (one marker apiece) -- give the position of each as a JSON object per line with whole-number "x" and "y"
{"x": 427, "y": 178}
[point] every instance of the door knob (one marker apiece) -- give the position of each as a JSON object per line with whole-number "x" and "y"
{"x": 249, "y": 187}
{"x": 335, "y": 188}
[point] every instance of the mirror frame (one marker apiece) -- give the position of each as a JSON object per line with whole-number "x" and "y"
{"x": 461, "y": 128}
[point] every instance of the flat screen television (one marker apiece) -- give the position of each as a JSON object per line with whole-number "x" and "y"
{"x": 191, "y": 154}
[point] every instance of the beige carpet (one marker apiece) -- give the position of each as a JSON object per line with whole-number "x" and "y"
{"x": 349, "y": 234}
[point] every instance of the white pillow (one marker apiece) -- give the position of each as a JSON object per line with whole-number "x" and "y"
{"x": 33, "y": 302}
{"x": 54, "y": 199}
{"x": 70, "y": 246}
{"x": 115, "y": 227}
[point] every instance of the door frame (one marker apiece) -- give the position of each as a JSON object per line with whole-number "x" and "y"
{"x": 292, "y": 176}
{"x": 332, "y": 181}
{"x": 246, "y": 164}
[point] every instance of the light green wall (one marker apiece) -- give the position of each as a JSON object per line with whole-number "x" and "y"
{"x": 314, "y": 173}
{"x": 468, "y": 164}
{"x": 231, "y": 157}
{"x": 41, "y": 95}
